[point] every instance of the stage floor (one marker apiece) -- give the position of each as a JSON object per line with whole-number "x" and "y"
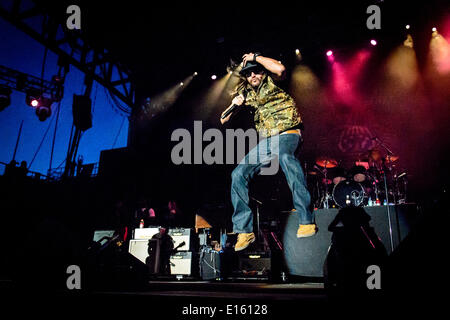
{"x": 285, "y": 291}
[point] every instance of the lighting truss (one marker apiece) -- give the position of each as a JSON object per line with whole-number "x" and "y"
{"x": 71, "y": 46}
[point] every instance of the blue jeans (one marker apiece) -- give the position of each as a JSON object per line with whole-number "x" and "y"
{"x": 251, "y": 165}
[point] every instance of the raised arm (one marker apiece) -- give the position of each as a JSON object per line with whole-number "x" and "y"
{"x": 272, "y": 65}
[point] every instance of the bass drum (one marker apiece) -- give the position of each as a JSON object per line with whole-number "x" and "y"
{"x": 348, "y": 193}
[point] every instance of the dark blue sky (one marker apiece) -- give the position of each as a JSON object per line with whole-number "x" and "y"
{"x": 20, "y": 52}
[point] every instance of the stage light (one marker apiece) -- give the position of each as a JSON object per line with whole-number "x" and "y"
{"x": 330, "y": 56}
{"x": 213, "y": 77}
{"x": 305, "y": 85}
{"x": 43, "y": 108}
{"x": 408, "y": 26}
{"x": 402, "y": 70}
{"x": 42, "y": 104}
{"x": 43, "y": 113}
{"x": 162, "y": 101}
{"x": 298, "y": 55}
{"x": 346, "y": 76}
{"x": 217, "y": 93}
{"x": 408, "y": 41}
{"x": 32, "y": 98}
{"x": 195, "y": 73}
{"x": 435, "y": 33}
{"x": 439, "y": 54}
{"x": 373, "y": 42}
{"x": 5, "y": 97}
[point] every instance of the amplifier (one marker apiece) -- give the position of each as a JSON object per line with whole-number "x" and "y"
{"x": 180, "y": 235}
{"x": 147, "y": 251}
{"x": 210, "y": 264}
{"x": 139, "y": 249}
{"x": 254, "y": 265}
{"x": 145, "y": 233}
{"x": 181, "y": 263}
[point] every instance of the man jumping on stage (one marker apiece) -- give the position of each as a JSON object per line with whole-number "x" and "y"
{"x": 275, "y": 114}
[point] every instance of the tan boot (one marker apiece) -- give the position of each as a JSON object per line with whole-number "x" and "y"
{"x": 306, "y": 230}
{"x": 244, "y": 240}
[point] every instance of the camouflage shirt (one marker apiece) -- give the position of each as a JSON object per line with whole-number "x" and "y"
{"x": 275, "y": 110}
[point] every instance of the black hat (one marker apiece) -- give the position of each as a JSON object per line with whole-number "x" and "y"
{"x": 251, "y": 65}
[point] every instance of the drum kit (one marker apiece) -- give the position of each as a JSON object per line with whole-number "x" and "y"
{"x": 364, "y": 183}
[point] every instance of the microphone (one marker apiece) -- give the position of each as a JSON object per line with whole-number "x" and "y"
{"x": 233, "y": 107}
{"x": 401, "y": 175}
{"x": 230, "y": 110}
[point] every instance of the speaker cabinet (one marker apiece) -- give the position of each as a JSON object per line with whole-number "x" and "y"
{"x": 182, "y": 239}
{"x": 306, "y": 256}
{"x": 145, "y": 233}
{"x": 139, "y": 249}
{"x": 181, "y": 263}
{"x": 148, "y": 252}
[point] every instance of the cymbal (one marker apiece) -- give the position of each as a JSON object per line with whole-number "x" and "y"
{"x": 391, "y": 158}
{"x": 326, "y": 162}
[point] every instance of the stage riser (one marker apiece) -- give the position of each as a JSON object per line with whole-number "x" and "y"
{"x": 305, "y": 256}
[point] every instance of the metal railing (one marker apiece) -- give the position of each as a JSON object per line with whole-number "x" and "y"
{"x": 89, "y": 170}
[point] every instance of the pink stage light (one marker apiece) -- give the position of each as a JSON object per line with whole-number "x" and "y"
{"x": 373, "y": 42}
{"x": 346, "y": 77}
{"x": 330, "y": 56}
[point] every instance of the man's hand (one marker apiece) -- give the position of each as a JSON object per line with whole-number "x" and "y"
{"x": 247, "y": 57}
{"x": 238, "y": 100}
{"x": 273, "y": 66}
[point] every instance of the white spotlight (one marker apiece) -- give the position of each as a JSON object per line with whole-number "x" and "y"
{"x": 214, "y": 77}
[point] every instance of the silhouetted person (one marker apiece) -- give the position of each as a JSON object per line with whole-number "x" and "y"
{"x": 22, "y": 171}
{"x": 146, "y": 212}
{"x": 173, "y": 215}
{"x": 11, "y": 168}
{"x": 166, "y": 249}
{"x": 354, "y": 247}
